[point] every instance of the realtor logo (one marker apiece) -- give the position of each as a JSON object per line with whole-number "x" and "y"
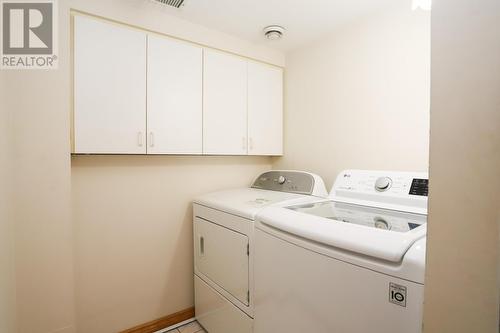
{"x": 28, "y": 34}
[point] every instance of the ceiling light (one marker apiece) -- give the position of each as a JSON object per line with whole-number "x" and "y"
{"x": 422, "y": 4}
{"x": 274, "y": 32}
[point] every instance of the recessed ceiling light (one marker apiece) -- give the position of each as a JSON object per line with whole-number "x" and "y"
{"x": 274, "y": 32}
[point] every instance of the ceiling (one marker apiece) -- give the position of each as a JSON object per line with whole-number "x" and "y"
{"x": 304, "y": 20}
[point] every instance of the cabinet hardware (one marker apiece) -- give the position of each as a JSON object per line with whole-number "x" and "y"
{"x": 151, "y": 139}
{"x": 202, "y": 246}
{"x": 139, "y": 139}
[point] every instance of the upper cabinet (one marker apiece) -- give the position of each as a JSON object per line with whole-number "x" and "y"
{"x": 224, "y": 104}
{"x": 174, "y": 115}
{"x": 109, "y": 88}
{"x": 141, "y": 93}
{"x": 265, "y": 109}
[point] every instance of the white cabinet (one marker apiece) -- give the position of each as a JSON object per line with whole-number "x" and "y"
{"x": 224, "y": 104}
{"x": 265, "y": 109}
{"x": 137, "y": 92}
{"x": 174, "y": 115}
{"x": 109, "y": 88}
{"x": 243, "y": 106}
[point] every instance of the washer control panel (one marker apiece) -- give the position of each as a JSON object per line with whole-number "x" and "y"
{"x": 385, "y": 189}
{"x": 286, "y": 181}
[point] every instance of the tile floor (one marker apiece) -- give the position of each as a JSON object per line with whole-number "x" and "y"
{"x": 192, "y": 327}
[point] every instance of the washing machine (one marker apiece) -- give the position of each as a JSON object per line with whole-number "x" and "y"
{"x": 354, "y": 263}
{"x": 224, "y": 245}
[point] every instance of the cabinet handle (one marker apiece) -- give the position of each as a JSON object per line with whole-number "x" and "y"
{"x": 251, "y": 144}
{"x": 151, "y": 139}
{"x": 139, "y": 139}
{"x": 243, "y": 143}
{"x": 202, "y": 246}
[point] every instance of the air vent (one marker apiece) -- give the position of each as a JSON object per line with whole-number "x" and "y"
{"x": 173, "y": 3}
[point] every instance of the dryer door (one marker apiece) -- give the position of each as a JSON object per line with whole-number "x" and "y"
{"x": 221, "y": 255}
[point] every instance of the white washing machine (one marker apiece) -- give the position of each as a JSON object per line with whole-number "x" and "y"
{"x": 352, "y": 264}
{"x": 224, "y": 245}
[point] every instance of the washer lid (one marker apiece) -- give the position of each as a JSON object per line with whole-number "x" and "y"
{"x": 370, "y": 217}
{"x": 353, "y": 237}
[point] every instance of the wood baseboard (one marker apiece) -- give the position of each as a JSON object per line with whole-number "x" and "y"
{"x": 161, "y": 323}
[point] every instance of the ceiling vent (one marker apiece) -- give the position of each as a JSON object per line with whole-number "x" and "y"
{"x": 173, "y": 3}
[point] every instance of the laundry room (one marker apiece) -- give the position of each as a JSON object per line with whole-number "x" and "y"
{"x": 232, "y": 166}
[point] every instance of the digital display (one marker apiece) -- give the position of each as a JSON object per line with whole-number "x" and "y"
{"x": 420, "y": 187}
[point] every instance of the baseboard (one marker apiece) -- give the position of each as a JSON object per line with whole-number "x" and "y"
{"x": 161, "y": 323}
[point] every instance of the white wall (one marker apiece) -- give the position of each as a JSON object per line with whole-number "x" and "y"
{"x": 464, "y": 204}
{"x": 43, "y": 237}
{"x": 103, "y": 243}
{"x": 133, "y": 219}
{"x": 7, "y": 262}
{"x": 359, "y": 98}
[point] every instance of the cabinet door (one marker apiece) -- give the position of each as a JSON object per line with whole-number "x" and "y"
{"x": 265, "y": 109}
{"x": 216, "y": 313}
{"x": 221, "y": 254}
{"x": 224, "y": 104}
{"x": 174, "y": 97}
{"x": 109, "y": 88}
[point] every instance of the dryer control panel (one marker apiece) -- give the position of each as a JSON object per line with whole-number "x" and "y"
{"x": 406, "y": 191}
{"x": 291, "y": 181}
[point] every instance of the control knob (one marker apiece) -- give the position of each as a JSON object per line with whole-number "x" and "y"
{"x": 383, "y": 184}
{"x": 281, "y": 180}
{"x": 380, "y": 223}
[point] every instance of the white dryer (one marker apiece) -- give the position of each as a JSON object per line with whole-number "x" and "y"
{"x": 352, "y": 264}
{"x": 224, "y": 245}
